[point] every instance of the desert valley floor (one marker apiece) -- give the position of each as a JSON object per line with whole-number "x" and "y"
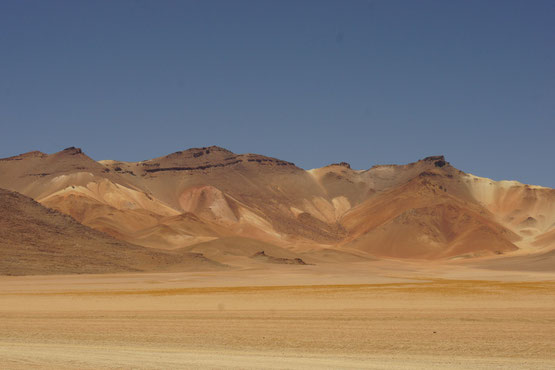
{"x": 208, "y": 259}
{"x": 377, "y": 315}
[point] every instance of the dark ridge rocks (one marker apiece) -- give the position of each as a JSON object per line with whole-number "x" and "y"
{"x": 198, "y": 152}
{"x": 438, "y": 160}
{"x": 428, "y": 174}
{"x": 342, "y": 164}
{"x": 265, "y": 161}
{"x": 72, "y": 150}
{"x": 120, "y": 170}
{"x": 284, "y": 261}
{"x": 434, "y": 158}
{"x": 261, "y": 159}
{"x": 208, "y": 150}
{"x": 225, "y": 162}
{"x": 440, "y": 163}
{"x": 202, "y": 167}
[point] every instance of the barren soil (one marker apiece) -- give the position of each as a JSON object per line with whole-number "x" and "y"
{"x": 377, "y": 316}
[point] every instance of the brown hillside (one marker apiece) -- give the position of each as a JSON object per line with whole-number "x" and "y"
{"x": 426, "y": 209}
{"x": 39, "y": 240}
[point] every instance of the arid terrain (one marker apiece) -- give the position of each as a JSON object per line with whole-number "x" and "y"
{"x": 209, "y": 259}
{"x": 372, "y": 318}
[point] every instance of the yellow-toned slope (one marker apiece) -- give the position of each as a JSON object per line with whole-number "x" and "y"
{"x": 421, "y": 219}
{"x": 527, "y": 210}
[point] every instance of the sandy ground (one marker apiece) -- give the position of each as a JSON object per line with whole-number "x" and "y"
{"x": 371, "y": 316}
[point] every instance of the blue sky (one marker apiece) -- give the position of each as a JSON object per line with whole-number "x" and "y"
{"x": 312, "y": 82}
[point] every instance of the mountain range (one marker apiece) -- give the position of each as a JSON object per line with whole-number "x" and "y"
{"x": 209, "y": 208}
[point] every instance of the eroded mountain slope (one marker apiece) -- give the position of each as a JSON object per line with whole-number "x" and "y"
{"x": 38, "y": 240}
{"x": 426, "y": 209}
{"x": 422, "y": 219}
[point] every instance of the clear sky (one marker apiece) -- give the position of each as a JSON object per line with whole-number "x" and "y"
{"x": 312, "y": 82}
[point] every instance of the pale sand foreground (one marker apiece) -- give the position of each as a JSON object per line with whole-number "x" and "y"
{"x": 224, "y": 321}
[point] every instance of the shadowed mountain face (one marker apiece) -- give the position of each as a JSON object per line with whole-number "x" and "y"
{"x": 39, "y": 240}
{"x": 423, "y": 210}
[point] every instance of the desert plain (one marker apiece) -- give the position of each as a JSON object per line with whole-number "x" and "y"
{"x": 207, "y": 259}
{"x": 380, "y": 315}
